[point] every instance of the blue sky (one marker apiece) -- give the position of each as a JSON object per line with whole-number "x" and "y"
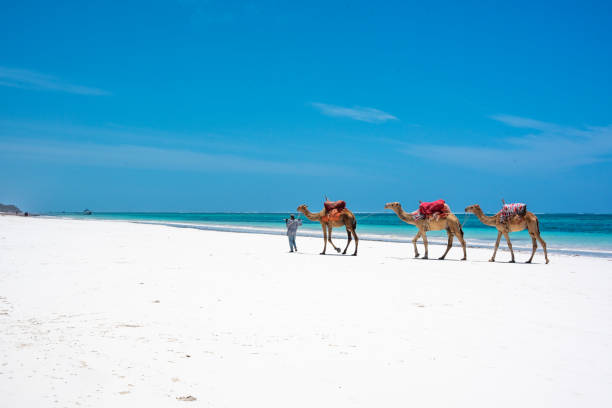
{"x": 261, "y": 106}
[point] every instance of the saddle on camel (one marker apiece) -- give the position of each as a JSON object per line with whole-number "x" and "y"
{"x": 510, "y": 210}
{"x": 437, "y": 209}
{"x": 333, "y": 210}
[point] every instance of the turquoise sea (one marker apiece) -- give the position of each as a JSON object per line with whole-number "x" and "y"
{"x": 586, "y": 234}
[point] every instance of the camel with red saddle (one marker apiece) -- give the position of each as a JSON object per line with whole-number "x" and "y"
{"x": 334, "y": 214}
{"x": 512, "y": 218}
{"x": 435, "y": 216}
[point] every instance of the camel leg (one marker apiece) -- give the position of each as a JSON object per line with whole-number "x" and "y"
{"x": 496, "y": 246}
{"x": 348, "y": 242}
{"x": 449, "y": 245}
{"x": 543, "y": 246}
{"x": 509, "y": 246}
{"x": 414, "y": 241}
{"x": 424, "y": 234}
{"x": 356, "y": 242}
{"x": 329, "y": 234}
{"x": 324, "y": 239}
{"x": 534, "y": 245}
{"x": 459, "y": 235}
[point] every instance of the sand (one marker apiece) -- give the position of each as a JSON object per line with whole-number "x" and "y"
{"x": 117, "y": 314}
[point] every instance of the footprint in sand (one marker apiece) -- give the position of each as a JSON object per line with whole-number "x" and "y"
{"x": 187, "y": 398}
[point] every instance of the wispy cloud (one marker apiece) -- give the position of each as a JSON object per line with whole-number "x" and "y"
{"x": 21, "y": 78}
{"x": 362, "y": 114}
{"x": 117, "y": 146}
{"x": 550, "y": 147}
{"x": 146, "y": 157}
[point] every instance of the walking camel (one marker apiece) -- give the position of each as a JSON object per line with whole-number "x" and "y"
{"x": 511, "y": 224}
{"x": 450, "y": 223}
{"x": 328, "y": 222}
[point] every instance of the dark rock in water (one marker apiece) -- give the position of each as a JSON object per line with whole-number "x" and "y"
{"x": 9, "y": 208}
{"x": 87, "y": 212}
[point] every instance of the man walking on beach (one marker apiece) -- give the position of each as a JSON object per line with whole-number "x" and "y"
{"x": 292, "y": 226}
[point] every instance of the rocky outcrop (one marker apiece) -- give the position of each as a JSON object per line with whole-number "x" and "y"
{"x": 9, "y": 208}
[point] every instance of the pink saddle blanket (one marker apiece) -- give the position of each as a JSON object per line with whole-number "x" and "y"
{"x": 510, "y": 210}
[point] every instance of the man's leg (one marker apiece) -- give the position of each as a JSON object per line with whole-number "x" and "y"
{"x": 290, "y": 243}
{"x": 292, "y": 240}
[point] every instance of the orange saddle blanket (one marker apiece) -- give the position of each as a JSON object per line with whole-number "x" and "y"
{"x": 334, "y": 205}
{"x": 333, "y": 210}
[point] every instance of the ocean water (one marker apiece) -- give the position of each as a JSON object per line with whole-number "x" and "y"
{"x": 586, "y": 234}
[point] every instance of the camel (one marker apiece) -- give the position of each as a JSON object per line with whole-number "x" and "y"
{"x": 346, "y": 219}
{"x": 513, "y": 224}
{"x": 450, "y": 223}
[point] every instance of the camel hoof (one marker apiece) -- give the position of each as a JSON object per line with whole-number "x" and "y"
{"x": 338, "y": 250}
{"x": 425, "y": 257}
{"x": 344, "y": 253}
{"x": 322, "y": 253}
{"x": 547, "y": 261}
{"x": 511, "y": 261}
{"x": 417, "y": 255}
{"x": 441, "y": 258}
{"x": 464, "y": 259}
{"x": 491, "y": 260}
{"x": 529, "y": 261}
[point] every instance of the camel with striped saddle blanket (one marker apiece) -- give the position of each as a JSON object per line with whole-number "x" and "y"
{"x": 512, "y": 218}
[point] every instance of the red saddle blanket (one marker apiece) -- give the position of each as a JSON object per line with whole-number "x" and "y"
{"x": 334, "y": 205}
{"x": 428, "y": 209}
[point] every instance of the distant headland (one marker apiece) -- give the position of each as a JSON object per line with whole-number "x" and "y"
{"x": 9, "y": 208}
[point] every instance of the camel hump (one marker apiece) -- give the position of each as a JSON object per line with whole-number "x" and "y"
{"x": 339, "y": 205}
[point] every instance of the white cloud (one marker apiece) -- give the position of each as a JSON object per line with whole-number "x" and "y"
{"x": 21, "y": 78}
{"x": 362, "y": 114}
{"x": 551, "y": 147}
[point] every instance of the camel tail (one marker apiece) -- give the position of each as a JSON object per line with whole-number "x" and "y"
{"x": 355, "y": 224}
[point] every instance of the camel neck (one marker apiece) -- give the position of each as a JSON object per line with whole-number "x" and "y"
{"x": 312, "y": 216}
{"x": 404, "y": 216}
{"x": 485, "y": 219}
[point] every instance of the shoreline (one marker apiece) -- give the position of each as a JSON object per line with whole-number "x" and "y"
{"x": 518, "y": 247}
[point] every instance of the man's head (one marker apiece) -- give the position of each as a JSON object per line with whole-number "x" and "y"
{"x": 292, "y": 217}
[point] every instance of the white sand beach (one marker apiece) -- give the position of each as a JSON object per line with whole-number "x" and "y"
{"x": 117, "y": 314}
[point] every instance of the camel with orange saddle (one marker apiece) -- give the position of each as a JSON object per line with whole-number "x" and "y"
{"x": 434, "y": 216}
{"x": 334, "y": 214}
{"x": 512, "y": 217}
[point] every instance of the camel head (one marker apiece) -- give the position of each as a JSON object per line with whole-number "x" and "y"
{"x": 472, "y": 208}
{"x": 393, "y": 206}
{"x": 303, "y": 208}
